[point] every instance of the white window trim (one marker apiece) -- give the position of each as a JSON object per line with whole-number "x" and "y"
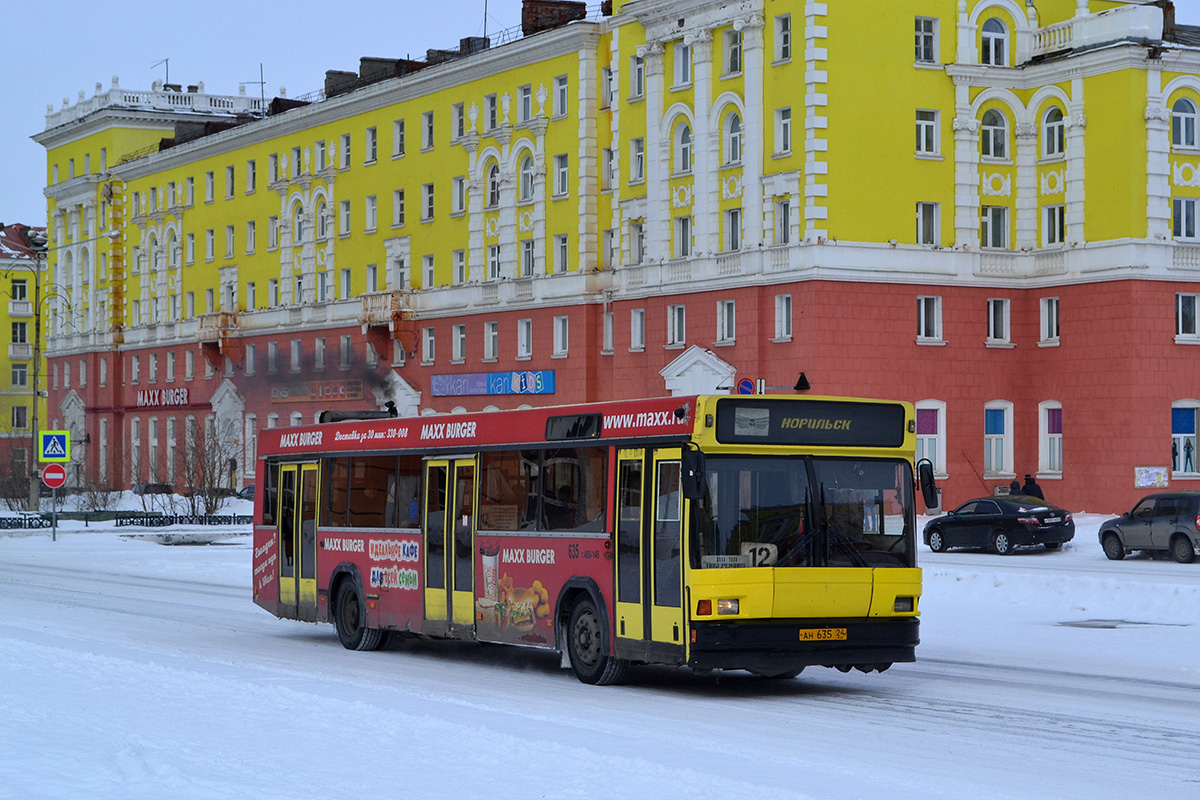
{"x": 1005, "y": 341}
{"x": 1044, "y": 442}
{"x": 1044, "y": 304}
{"x": 938, "y": 339}
{"x": 939, "y": 467}
{"x": 1005, "y": 472}
{"x": 1195, "y": 471}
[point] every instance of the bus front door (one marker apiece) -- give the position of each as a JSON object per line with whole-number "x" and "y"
{"x": 297, "y": 521}
{"x": 630, "y": 612}
{"x": 449, "y": 543}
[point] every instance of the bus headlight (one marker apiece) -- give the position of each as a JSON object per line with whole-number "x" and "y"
{"x": 727, "y": 606}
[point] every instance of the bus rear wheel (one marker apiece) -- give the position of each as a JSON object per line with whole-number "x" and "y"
{"x": 586, "y": 648}
{"x": 350, "y": 618}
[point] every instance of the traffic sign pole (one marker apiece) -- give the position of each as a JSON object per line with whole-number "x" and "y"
{"x": 54, "y": 475}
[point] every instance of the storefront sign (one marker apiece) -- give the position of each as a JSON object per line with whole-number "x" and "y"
{"x": 489, "y": 383}
{"x": 317, "y": 391}
{"x": 162, "y": 398}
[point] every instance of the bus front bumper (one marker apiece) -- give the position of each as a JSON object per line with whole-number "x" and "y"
{"x": 777, "y": 646}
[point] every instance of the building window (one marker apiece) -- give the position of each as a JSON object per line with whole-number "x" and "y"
{"x": 561, "y": 175}
{"x": 250, "y": 237}
{"x": 319, "y": 354}
{"x": 733, "y": 229}
{"x": 427, "y": 202}
{"x": 1050, "y": 439}
{"x": 20, "y": 418}
{"x": 783, "y": 37}
{"x": 561, "y": 253}
{"x": 372, "y": 280}
{"x": 525, "y": 103}
{"x": 931, "y": 439}
{"x": 20, "y": 376}
{"x": 993, "y": 139}
{"x": 493, "y": 262}
{"x": 459, "y": 258}
{"x": 229, "y": 181}
{"x": 371, "y": 145}
{"x": 1183, "y": 437}
{"x": 783, "y": 317}
{"x": 229, "y": 241}
{"x": 458, "y": 121}
{"x": 209, "y": 184}
{"x": 1185, "y": 315}
{"x": 683, "y": 237}
{"x": 637, "y": 241}
{"x": 997, "y": 438}
{"x": 606, "y": 87}
{"x": 322, "y": 215}
{"x": 322, "y": 158}
{"x": 1183, "y": 222}
{"x": 926, "y": 35}
{"x": 726, "y": 321}
{"x": 398, "y": 208}
{"x": 676, "y": 325}
{"x": 491, "y": 118}
{"x": 398, "y": 138}
{"x": 995, "y": 43}
{"x": 491, "y": 341}
{"x": 1183, "y": 123}
{"x": 427, "y": 130}
{"x": 637, "y": 160}
{"x": 683, "y": 148}
{"x": 928, "y": 217}
{"x": 1054, "y": 137}
{"x": 783, "y": 221}
{"x": 683, "y": 64}
{"x": 560, "y": 97}
{"x": 733, "y": 139}
{"x": 993, "y": 231}
{"x": 637, "y": 330}
{"x": 344, "y": 218}
{"x": 1049, "y": 319}
{"x": 1054, "y": 219}
{"x": 783, "y": 131}
{"x": 561, "y": 335}
{"x": 427, "y": 268}
{"x": 527, "y": 258}
{"x": 637, "y": 77}
{"x": 733, "y": 52}
{"x": 370, "y": 209}
{"x": 458, "y": 343}
{"x": 493, "y": 185}
{"x": 427, "y": 349}
{"x": 525, "y": 179}
{"x": 524, "y": 338}
{"x": 997, "y": 320}
{"x": 606, "y": 340}
{"x": 929, "y": 319}
{"x": 927, "y": 133}
{"x": 607, "y": 178}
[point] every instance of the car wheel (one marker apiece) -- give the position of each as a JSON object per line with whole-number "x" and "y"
{"x": 1113, "y": 547}
{"x": 1182, "y": 550}
{"x": 1001, "y": 543}
{"x": 937, "y": 542}
{"x": 1054, "y": 545}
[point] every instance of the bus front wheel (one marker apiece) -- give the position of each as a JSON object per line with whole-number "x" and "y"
{"x": 350, "y": 617}
{"x": 586, "y": 647}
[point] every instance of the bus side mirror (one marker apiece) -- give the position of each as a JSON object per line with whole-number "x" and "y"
{"x": 692, "y": 479}
{"x": 928, "y": 485}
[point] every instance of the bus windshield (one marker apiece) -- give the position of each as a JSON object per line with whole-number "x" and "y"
{"x": 804, "y": 512}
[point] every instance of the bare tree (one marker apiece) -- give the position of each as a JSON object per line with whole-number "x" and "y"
{"x": 207, "y": 464}
{"x": 95, "y": 495}
{"x": 14, "y": 469}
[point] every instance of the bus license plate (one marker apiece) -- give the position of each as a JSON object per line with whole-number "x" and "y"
{"x": 822, "y": 634}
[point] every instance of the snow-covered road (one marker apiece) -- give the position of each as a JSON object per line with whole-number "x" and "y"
{"x": 129, "y": 669}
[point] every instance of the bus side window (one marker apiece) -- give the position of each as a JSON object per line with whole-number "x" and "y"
{"x": 270, "y": 493}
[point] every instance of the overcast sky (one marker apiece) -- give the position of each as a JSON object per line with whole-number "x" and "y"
{"x": 222, "y": 43}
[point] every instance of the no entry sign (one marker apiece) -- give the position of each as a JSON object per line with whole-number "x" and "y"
{"x": 54, "y": 475}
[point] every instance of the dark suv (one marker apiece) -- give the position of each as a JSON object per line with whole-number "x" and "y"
{"x": 1163, "y": 522}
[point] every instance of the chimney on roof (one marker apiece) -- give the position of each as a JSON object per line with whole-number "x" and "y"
{"x": 543, "y": 15}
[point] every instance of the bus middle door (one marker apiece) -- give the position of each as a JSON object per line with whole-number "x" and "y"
{"x": 449, "y": 545}
{"x": 297, "y": 522}
{"x": 664, "y": 558}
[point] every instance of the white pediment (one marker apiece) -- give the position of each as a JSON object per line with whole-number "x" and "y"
{"x": 698, "y": 371}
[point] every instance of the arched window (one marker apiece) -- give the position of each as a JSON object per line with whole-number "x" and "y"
{"x": 493, "y": 185}
{"x": 297, "y": 223}
{"x": 733, "y": 139}
{"x": 994, "y": 135}
{"x": 155, "y": 255}
{"x": 172, "y": 250}
{"x": 995, "y": 43}
{"x": 322, "y": 220}
{"x": 1183, "y": 123}
{"x": 683, "y": 148}
{"x": 526, "y": 178}
{"x": 1053, "y": 133}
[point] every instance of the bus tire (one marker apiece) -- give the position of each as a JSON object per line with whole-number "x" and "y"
{"x": 350, "y": 618}
{"x": 586, "y": 648}
{"x": 786, "y": 675}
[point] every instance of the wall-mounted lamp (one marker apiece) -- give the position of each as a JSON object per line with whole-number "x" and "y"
{"x": 802, "y": 384}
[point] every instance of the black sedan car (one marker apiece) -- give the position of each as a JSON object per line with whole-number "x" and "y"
{"x": 1001, "y": 524}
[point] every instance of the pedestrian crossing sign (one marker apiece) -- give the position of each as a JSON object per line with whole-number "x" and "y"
{"x": 54, "y": 446}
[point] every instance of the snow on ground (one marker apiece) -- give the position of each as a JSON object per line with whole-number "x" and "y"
{"x": 129, "y": 669}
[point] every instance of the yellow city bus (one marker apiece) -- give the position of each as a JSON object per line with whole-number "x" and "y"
{"x": 765, "y": 533}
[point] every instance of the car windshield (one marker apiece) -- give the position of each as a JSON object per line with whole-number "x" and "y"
{"x": 799, "y": 512}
